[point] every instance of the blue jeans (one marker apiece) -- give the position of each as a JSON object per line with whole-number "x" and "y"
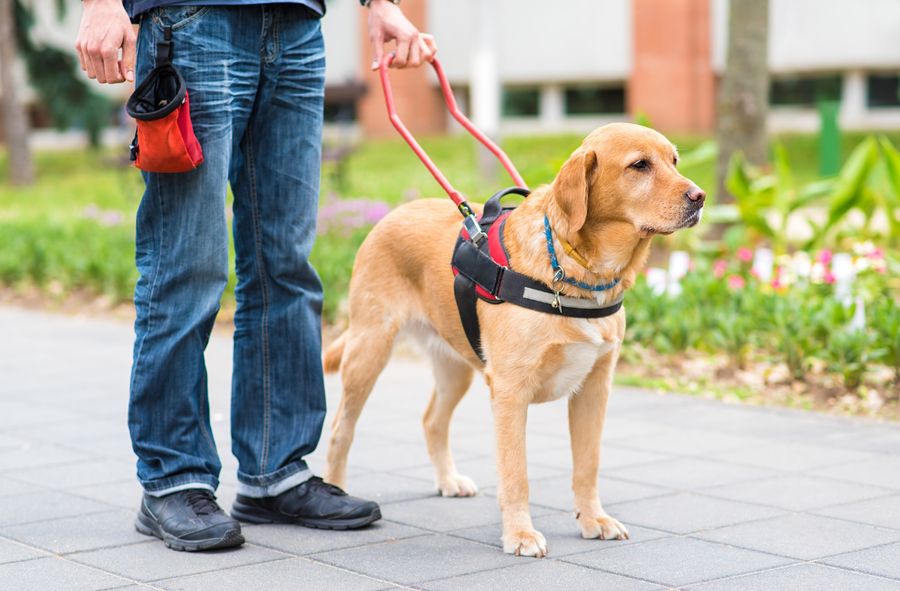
{"x": 255, "y": 78}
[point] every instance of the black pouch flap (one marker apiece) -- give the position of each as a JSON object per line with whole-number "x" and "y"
{"x": 158, "y": 95}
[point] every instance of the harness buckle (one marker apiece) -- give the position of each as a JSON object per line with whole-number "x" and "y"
{"x": 473, "y": 229}
{"x": 558, "y": 277}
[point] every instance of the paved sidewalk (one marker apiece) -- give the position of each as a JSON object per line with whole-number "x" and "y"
{"x": 716, "y": 496}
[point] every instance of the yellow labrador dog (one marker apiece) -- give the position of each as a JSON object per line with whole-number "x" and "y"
{"x": 617, "y": 190}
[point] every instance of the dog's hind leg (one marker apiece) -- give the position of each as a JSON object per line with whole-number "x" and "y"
{"x": 452, "y": 378}
{"x": 365, "y": 354}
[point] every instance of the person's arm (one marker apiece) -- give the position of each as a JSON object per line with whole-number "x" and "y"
{"x": 388, "y": 23}
{"x": 106, "y": 29}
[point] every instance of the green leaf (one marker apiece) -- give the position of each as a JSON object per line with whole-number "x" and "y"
{"x": 737, "y": 181}
{"x": 851, "y": 181}
{"x": 702, "y": 154}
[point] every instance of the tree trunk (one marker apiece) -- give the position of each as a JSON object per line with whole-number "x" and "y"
{"x": 744, "y": 94}
{"x": 15, "y": 118}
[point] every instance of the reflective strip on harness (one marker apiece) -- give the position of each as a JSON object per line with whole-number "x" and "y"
{"x": 530, "y": 293}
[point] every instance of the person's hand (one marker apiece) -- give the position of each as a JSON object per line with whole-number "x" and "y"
{"x": 388, "y": 23}
{"x": 106, "y": 29}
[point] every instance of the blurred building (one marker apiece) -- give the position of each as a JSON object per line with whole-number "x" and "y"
{"x": 572, "y": 64}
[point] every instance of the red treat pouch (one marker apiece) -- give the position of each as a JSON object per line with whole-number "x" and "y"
{"x": 165, "y": 140}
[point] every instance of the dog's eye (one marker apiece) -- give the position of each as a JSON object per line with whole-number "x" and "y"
{"x": 640, "y": 165}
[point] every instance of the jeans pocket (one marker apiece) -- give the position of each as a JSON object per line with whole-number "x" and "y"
{"x": 177, "y": 16}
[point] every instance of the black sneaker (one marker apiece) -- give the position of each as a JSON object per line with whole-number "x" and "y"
{"x": 313, "y": 503}
{"x": 188, "y": 520}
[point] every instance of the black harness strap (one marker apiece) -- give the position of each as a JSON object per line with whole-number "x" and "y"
{"x": 466, "y": 301}
{"x": 476, "y": 267}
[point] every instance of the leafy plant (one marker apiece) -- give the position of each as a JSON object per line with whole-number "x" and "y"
{"x": 849, "y": 353}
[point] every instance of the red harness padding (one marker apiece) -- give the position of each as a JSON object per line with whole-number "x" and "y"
{"x": 495, "y": 248}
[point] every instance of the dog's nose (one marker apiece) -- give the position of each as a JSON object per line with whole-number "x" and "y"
{"x": 696, "y": 195}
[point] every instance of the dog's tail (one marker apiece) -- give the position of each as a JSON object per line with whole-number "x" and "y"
{"x": 331, "y": 361}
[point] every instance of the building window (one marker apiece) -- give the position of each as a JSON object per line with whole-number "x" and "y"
{"x": 521, "y": 102}
{"x": 595, "y": 100}
{"x": 804, "y": 91}
{"x": 883, "y": 90}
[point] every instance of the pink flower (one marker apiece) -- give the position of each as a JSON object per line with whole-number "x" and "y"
{"x": 745, "y": 254}
{"x": 829, "y": 277}
{"x": 824, "y": 256}
{"x": 876, "y": 254}
{"x": 719, "y": 268}
{"x": 736, "y": 282}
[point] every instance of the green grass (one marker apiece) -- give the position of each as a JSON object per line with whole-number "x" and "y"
{"x": 50, "y": 240}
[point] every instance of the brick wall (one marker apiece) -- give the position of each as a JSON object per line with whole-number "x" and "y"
{"x": 672, "y": 80}
{"x": 416, "y": 95}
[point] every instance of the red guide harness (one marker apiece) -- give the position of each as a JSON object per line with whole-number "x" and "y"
{"x": 480, "y": 262}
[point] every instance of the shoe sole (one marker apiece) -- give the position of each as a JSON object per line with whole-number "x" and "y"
{"x": 258, "y": 515}
{"x": 149, "y": 527}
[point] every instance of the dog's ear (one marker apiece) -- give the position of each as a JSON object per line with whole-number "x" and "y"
{"x": 572, "y": 187}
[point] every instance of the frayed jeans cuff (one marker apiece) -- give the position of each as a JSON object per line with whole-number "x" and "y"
{"x": 168, "y": 487}
{"x": 272, "y": 485}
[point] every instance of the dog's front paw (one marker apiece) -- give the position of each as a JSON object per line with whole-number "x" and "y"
{"x": 603, "y": 527}
{"x": 457, "y": 486}
{"x": 525, "y": 543}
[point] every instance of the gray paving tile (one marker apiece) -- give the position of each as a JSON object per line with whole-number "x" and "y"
{"x": 152, "y": 561}
{"x": 556, "y": 493}
{"x": 542, "y": 574}
{"x": 37, "y": 455}
{"x": 9, "y": 487}
{"x": 115, "y": 447}
{"x": 882, "y": 560}
{"x": 617, "y": 428}
{"x": 12, "y": 551}
{"x": 446, "y": 513}
{"x": 681, "y": 441}
{"x": 879, "y": 471}
{"x": 11, "y": 441}
{"x": 612, "y": 456}
{"x": 393, "y": 456}
{"x": 483, "y": 471}
{"x": 292, "y": 539}
{"x": 677, "y": 561}
{"x": 68, "y": 432}
{"x": 43, "y": 505}
{"x": 562, "y": 533}
{"x": 287, "y": 574}
{"x": 805, "y": 537}
{"x": 83, "y": 532}
{"x": 801, "y": 577}
{"x": 23, "y": 415}
{"x": 125, "y": 494}
{"x": 797, "y": 492}
{"x": 78, "y": 474}
{"x": 884, "y": 511}
{"x": 48, "y": 573}
{"x": 684, "y": 513}
{"x": 384, "y": 487}
{"x": 688, "y": 473}
{"x": 793, "y": 457}
{"x": 419, "y": 559}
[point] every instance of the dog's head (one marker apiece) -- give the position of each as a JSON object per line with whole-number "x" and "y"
{"x": 626, "y": 173}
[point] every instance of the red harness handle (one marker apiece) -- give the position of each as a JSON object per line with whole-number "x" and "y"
{"x": 455, "y": 195}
